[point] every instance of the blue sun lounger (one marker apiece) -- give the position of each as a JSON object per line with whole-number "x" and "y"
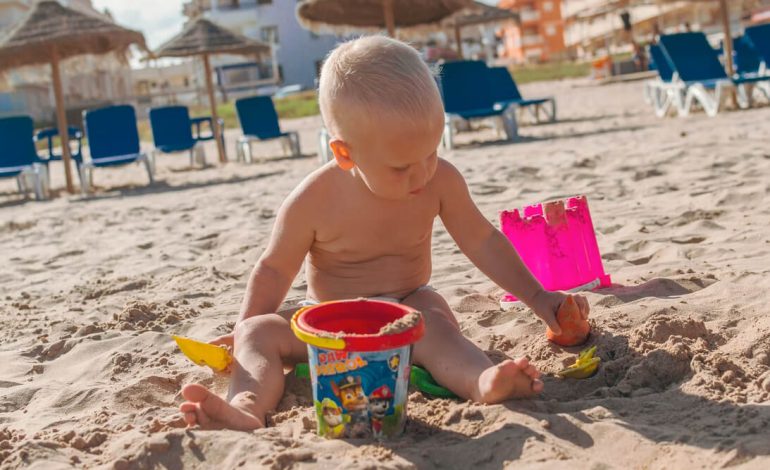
{"x": 747, "y": 60}
{"x": 661, "y": 92}
{"x": 506, "y": 92}
{"x": 465, "y": 90}
{"x": 76, "y": 152}
{"x": 18, "y": 156}
{"x": 758, "y": 37}
{"x": 702, "y": 77}
{"x": 172, "y": 131}
{"x": 113, "y": 140}
{"x": 259, "y": 122}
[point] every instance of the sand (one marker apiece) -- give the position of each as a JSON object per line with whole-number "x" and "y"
{"x": 93, "y": 288}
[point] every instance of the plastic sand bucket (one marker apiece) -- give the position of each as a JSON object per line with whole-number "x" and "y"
{"x": 557, "y": 242}
{"x": 359, "y": 352}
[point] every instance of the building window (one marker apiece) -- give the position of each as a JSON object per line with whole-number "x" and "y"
{"x": 547, "y": 6}
{"x": 269, "y": 34}
{"x": 550, "y": 30}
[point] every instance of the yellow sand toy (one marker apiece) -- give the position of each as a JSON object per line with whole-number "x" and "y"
{"x": 585, "y": 366}
{"x": 205, "y": 354}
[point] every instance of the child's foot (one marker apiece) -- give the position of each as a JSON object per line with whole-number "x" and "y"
{"x": 507, "y": 380}
{"x": 207, "y": 410}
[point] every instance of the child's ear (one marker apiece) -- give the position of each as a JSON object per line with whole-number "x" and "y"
{"x": 341, "y": 153}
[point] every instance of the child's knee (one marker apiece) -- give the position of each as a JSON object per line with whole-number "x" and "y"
{"x": 438, "y": 317}
{"x": 267, "y": 326}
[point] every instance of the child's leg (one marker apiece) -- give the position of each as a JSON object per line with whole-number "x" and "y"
{"x": 262, "y": 344}
{"x": 458, "y": 364}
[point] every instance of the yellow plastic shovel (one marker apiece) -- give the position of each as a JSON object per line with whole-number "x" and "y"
{"x": 205, "y": 354}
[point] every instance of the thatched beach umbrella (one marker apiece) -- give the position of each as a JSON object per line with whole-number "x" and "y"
{"x": 50, "y": 33}
{"x": 203, "y": 37}
{"x": 343, "y": 17}
{"x": 476, "y": 15}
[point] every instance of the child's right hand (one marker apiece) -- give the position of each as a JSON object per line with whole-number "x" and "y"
{"x": 224, "y": 340}
{"x": 545, "y": 304}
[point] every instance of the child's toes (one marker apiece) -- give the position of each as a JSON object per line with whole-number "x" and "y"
{"x": 522, "y": 362}
{"x": 537, "y": 385}
{"x": 189, "y": 412}
{"x": 531, "y": 371}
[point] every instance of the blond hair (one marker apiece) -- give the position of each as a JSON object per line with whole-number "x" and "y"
{"x": 375, "y": 75}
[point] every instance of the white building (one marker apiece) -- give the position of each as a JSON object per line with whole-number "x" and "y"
{"x": 299, "y": 52}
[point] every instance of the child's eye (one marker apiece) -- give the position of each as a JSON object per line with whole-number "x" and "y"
{"x": 401, "y": 169}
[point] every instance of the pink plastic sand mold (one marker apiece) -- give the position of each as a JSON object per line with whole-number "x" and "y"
{"x": 556, "y": 241}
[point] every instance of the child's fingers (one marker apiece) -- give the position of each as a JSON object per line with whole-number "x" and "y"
{"x": 550, "y": 320}
{"x": 225, "y": 340}
{"x": 583, "y": 306}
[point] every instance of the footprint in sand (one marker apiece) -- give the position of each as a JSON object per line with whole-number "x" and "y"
{"x": 487, "y": 189}
{"x": 495, "y": 318}
{"x": 476, "y": 303}
{"x": 661, "y": 288}
{"x": 692, "y": 216}
{"x": 64, "y": 254}
{"x": 642, "y": 175}
{"x": 687, "y": 240}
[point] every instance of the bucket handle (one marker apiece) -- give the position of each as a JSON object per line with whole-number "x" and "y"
{"x": 315, "y": 340}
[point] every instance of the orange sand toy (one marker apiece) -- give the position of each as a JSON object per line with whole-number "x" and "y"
{"x": 574, "y": 328}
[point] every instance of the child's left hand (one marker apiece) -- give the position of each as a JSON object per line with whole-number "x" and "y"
{"x": 545, "y": 304}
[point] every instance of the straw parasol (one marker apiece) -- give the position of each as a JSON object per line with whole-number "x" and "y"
{"x": 341, "y": 17}
{"x": 476, "y": 15}
{"x": 50, "y": 33}
{"x": 203, "y": 37}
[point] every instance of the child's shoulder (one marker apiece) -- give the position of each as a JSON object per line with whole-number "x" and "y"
{"x": 446, "y": 173}
{"x": 322, "y": 178}
{"x": 318, "y": 185}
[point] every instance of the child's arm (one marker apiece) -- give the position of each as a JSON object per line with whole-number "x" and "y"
{"x": 489, "y": 249}
{"x": 290, "y": 241}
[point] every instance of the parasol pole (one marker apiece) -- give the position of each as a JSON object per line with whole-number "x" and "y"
{"x": 213, "y": 103}
{"x": 728, "y": 42}
{"x": 459, "y": 40}
{"x": 61, "y": 118}
{"x": 390, "y": 21}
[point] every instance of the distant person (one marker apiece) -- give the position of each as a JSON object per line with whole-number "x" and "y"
{"x": 639, "y": 56}
{"x": 656, "y": 34}
{"x": 381, "y": 104}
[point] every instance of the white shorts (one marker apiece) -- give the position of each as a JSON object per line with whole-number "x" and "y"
{"x": 308, "y": 302}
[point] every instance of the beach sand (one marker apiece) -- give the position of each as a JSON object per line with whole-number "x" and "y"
{"x": 92, "y": 289}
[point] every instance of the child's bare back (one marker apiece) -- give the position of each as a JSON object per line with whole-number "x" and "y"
{"x": 362, "y": 227}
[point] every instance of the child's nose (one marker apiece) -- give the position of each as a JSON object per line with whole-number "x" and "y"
{"x": 418, "y": 178}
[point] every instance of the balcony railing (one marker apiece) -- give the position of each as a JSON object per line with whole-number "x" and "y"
{"x": 529, "y": 15}
{"x": 531, "y": 40}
